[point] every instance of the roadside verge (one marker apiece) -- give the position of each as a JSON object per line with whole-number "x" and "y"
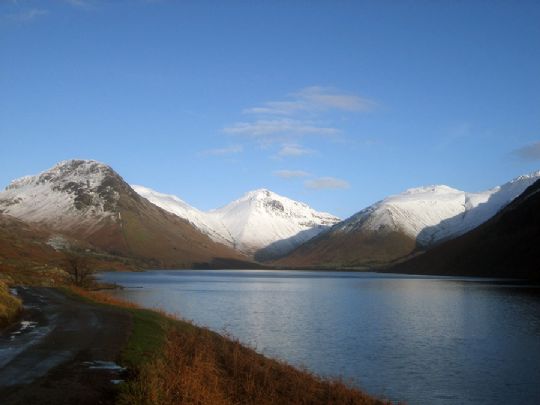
{"x": 171, "y": 361}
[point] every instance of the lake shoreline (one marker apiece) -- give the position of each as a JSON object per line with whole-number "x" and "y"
{"x": 153, "y": 353}
{"x": 369, "y": 328}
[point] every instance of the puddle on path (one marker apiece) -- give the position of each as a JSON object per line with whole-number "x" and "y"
{"x": 104, "y": 365}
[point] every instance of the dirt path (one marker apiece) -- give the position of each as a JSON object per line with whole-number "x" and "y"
{"x": 62, "y": 352}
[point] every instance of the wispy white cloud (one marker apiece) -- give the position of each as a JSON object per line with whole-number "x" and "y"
{"x": 229, "y": 150}
{"x": 528, "y": 152}
{"x": 314, "y": 99}
{"x": 294, "y": 150}
{"x": 301, "y": 114}
{"x": 262, "y": 128}
{"x": 79, "y": 3}
{"x": 291, "y": 174}
{"x": 24, "y": 14}
{"x": 277, "y": 108}
{"x": 28, "y": 15}
{"x": 324, "y": 183}
{"x": 329, "y": 98}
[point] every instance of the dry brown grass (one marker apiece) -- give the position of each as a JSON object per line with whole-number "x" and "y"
{"x": 194, "y": 365}
{"x": 102, "y": 298}
{"x": 10, "y": 306}
{"x": 197, "y": 366}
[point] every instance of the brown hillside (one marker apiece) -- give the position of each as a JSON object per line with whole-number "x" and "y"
{"x": 89, "y": 202}
{"x": 352, "y": 249}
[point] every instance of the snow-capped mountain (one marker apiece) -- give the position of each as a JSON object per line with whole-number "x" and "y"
{"x": 504, "y": 246}
{"x": 208, "y": 224}
{"x": 261, "y": 222}
{"x": 416, "y": 218}
{"x": 434, "y": 213}
{"x": 72, "y": 193}
{"x": 89, "y": 201}
{"x": 265, "y": 220}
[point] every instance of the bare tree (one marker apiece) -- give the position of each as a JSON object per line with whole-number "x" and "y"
{"x": 80, "y": 272}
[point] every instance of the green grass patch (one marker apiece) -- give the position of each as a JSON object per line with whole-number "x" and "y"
{"x": 149, "y": 334}
{"x": 147, "y": 337}
{"x": 148, "y": 331}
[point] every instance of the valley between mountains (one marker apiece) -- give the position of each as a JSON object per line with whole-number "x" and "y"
{"x": 85, "y": 207}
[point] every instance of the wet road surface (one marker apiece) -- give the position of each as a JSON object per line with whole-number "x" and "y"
{"x": 62, "y": 351}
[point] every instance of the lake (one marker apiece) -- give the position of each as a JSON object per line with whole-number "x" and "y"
{"x": 423, "y": 340}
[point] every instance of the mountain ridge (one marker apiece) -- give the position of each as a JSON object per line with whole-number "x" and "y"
{"x": 88, "y": 200}
{"x": 255, "y": 221}
{"x": 398, "y": 225}
{"x": 503, "y": 246}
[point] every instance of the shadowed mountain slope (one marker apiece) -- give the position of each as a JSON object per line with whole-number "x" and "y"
{"x": 504, "y": 246}
{"x": 400, "y": 225}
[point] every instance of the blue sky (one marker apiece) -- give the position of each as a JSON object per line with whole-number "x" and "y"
{"x": 334, "y": 103}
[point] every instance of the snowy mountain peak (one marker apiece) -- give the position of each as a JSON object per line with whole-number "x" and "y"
{"x": 71, "y": 190}
{"x": 266, "y": 201}
{"x": 434, "y": 189}
{"x": 79, "y": 164}
{"x": 79, "y": 171}
{"x": 263, "y": 219}
{"x": 80, "y": 167}
{"x": 261, "y": 197}
{"x": 434, "y": 213}
{"x": 534, "y": 175}
{"x": 259, "y": 193}
{"x": 260, "y": 219}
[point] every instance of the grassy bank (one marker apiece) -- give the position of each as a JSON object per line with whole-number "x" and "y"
{"x": 175, "y": 362}
{"x": 10, "y": 306}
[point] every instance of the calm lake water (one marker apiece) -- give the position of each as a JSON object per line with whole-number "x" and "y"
{"x": 416, "y": 339}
